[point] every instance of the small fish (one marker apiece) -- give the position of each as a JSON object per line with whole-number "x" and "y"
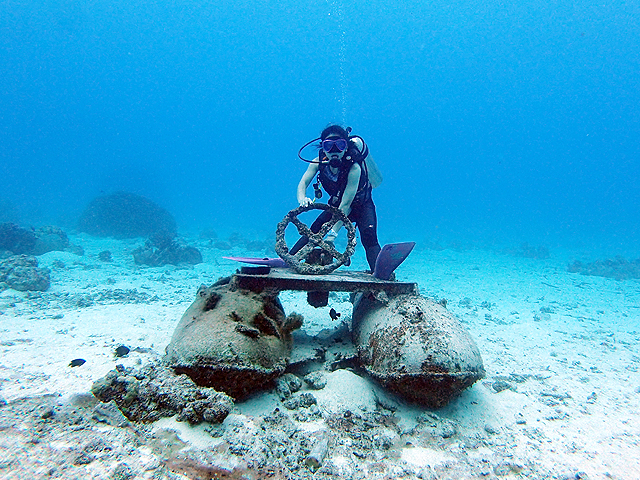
{"x": 76, "y": 362}
{"x": 122, "y": 351}
{"x": 333, "y": 314}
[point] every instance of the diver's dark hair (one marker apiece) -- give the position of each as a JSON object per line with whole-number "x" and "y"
{"x": 335, "y": 130}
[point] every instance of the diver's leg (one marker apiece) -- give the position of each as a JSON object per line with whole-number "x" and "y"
{"x": 323, "y": 218}
{"x": 367, "y": 222}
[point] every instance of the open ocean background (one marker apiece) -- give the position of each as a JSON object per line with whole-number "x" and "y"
{"x": 494, "y": 123}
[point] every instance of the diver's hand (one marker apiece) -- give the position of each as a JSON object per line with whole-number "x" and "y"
{"x": 305, "y": 202}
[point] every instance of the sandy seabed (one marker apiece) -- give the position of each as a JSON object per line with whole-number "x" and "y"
{"x": 560, "y": 399}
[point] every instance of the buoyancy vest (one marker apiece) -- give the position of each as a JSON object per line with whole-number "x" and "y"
{"x": 335, "y": 183}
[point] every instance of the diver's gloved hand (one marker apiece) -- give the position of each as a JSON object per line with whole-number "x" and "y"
{"x": 305, "y": 202}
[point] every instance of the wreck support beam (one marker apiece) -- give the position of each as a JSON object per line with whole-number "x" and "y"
{"x": 284, "y": 279}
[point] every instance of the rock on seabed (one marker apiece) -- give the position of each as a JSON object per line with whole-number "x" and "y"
{"x": 21, "y": 272}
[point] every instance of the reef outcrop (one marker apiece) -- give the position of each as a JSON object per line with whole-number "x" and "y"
{"x": 21, "y": 272}
{"x": 164, "y": 250}
{"x": 415, "y": 348}
{"x": 17, "y": 240}
{"x": 126, "y": 215}
{"x": 154, "y": 391}
{"x": 30, "y": 241}
{"x": 233, "y": 340}
{"x": 618, "y": 268}
{"x": 49, "y": 239}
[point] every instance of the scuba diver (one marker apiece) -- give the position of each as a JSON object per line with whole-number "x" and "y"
{"x": 342, "y": 171}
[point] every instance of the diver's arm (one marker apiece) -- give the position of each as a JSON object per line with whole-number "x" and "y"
{"x": 353, "y": 180}
{"x": 306, "y": 179}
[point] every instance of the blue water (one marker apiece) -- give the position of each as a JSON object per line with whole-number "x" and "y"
{"x": 491, "y": 122}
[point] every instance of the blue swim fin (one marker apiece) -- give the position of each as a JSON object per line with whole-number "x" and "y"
{"x": 390, "y": 257}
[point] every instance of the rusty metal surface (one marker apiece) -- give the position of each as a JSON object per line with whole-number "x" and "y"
{"x": 285, "y": 279}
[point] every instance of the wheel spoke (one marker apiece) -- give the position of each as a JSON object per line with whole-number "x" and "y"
{"x": 330, "y": 249}
{"x": 303, "y": 252}
{"x": 303, "y": 230}
{"x": 328, "y": 226}
{"x": 315, "y": 240}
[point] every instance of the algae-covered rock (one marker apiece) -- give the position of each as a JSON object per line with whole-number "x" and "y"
{"x": 416, "y": 348}
{"x": 50, "y": 238}
{"x": 165, "y": 250}
{"x": 233, "y": 340}
{"x": 29, "y": 241}
{"x": 155, "y": 391}
{"x": 21, "y": 272}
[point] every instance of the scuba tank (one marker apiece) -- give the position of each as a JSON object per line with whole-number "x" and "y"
{"x": 373, "y": 172}
{"x": 375, "y": 176}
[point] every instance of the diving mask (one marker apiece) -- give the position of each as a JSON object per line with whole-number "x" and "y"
{"x": 334, "y": 145}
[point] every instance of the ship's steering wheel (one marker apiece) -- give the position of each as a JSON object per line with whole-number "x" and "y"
{"x": 297, "y": 261}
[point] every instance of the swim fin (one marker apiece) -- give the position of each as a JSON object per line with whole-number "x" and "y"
{"x": 390, "y": 257}
{"x": 269, "y": 262}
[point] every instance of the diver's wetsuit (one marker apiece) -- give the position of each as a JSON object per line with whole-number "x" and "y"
{"x": 363, "y": 210}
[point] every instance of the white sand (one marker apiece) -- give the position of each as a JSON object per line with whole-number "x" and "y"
{"x": 571, "y": 341}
